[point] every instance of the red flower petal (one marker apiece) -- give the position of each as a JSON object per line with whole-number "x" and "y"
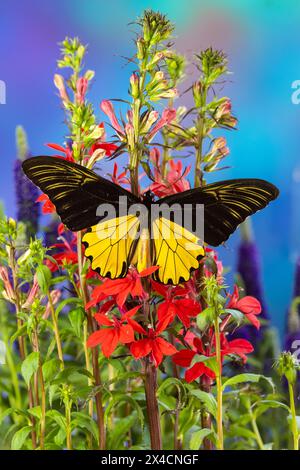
{"x": 96, "y": 338}
{"x": 184, "y": 357}
{"x": 102, "y": 319}
{"x": 148, "y": 271}
{"x": 166, "y": 348}
{"x": 126, "y": 334}
{"x": 194, "y": 372}
{"x": 141, "y": 348}
{"x": 110, "y": 343}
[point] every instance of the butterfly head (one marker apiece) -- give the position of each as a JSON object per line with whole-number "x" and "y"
{"x": 147, "y": 197}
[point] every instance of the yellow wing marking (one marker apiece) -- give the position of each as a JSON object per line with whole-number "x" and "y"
{"x": 176, "y": 251}
{"x": 110, "y": 245}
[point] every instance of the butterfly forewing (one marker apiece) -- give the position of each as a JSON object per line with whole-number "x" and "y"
{"x": 75, "y": 191}
{"x": 226, "y": 204}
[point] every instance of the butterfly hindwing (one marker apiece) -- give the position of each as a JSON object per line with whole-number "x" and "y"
{"x": 176, "y": 251}
{"x": 226, "y": 204}
{"x": 110, "y": 245}
{"x": 75, "y": 190}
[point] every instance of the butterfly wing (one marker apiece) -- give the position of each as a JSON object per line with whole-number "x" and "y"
{"x": 226, "y": 204}
{"x": 175, "y": 250}
{"x": 111, "y": 244}
{"x": 75, "y": 191}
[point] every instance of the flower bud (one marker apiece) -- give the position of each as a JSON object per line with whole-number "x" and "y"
{"x": 135, "y": 85}
{"x": 287, "y": 365}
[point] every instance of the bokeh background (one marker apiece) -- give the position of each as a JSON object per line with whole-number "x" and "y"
{"x": 261, "y": 39}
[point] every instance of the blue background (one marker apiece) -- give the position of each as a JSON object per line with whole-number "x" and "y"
{"x": 261, "y": 38}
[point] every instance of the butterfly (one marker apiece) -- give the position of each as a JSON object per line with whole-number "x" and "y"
{"x": 114, "y": 242}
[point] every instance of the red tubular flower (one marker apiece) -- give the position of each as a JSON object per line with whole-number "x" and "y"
{"x": 116, "y": 331}
{"x": 248, "y": 305}
{"x": 66, "y": 255}
{"x": 68, "y": 154}
{"x": 120, "y": 178}
{"x": 184, "y": 358}
{"x": 184, "y": 309}
{"x": 121, "y": 288}
{"x": 48, "y": 207}
{"x": 152, "y": 344}
{"x": 174, "y": 182}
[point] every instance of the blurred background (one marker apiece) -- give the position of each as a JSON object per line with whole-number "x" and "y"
{"x": 261, "y": 39}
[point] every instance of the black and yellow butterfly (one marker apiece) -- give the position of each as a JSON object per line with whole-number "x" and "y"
{"x": 115, "y": 243}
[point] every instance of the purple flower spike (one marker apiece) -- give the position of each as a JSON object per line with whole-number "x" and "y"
{"x": 26, "y": 191}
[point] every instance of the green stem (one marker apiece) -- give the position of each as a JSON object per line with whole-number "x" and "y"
{"x": 56, "y": 332}
{"x": 68, "y": 425}
{"x": 199, "y": 145}
{"x": 95, "y": 362}
{"x": 220, "y": 440}
{"x": 255, "y": 429}
{"x": 294, "y": 417}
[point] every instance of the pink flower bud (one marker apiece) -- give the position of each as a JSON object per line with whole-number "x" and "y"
{"x": 81, "y": 88}
{"x": 108, "y": 109}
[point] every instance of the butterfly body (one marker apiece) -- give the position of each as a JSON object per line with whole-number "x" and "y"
{"x": 124, "y": 229}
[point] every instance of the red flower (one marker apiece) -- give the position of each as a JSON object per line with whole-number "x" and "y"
{"x": 107, "y": 146}
{"x": 121, "y": 288}
{"x": 66, "y": 151}
{"x": 184, "y": 309}
{"x": 66, "y": 256}
{"x": 120, "y": 178}
{"x": 116, "y": 331}
{"x": 174, "y": 182}
{"x": 48, "y": 207}
{"x": 153, "y": 344}
{"x": 239, "y": 347}
{"x": 248, "y": 305}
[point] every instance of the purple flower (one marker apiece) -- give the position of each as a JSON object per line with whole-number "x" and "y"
{"x": 26, "y": 191}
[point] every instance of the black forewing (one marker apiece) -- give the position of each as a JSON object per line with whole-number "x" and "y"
{"x": 226, "y": 204}
{"x": 75, "y": 191}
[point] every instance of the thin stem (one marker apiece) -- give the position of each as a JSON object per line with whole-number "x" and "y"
{"x": 205, "y": 415}
{"x": 21, "y": 342}
{"x": 95, "y": 362}
{"x": 68, "y": 425}
{"x": 294, "y": 417}
{"x": 152, "y": 405}
{"x": 43, "y": 409}
{"x": 256, "y": 432}
{"x": 56, "y": 332}
{"x": 200, "y": 138}
{"x": 220, "y": 440}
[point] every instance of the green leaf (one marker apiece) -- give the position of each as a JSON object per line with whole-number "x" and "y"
{"x": 198, "y": 436}
{"x": 51, "y": 368}
{"x": 207, "y": 399}
{"x": 30, "y": 366}
{"x": 20, "y": 332}
{"x": 238, "y": 316}
{"x": 205, "y": 318}
{"x": 43, "y": 275}
{"x": 20, "y": 437}
{"x": 76, "y": 318}
{"x": 243, "y": 378}
{"x": 70, "y": 300}
{"x": 58, "y": 418}
{"x": 117, "y": 399}
{"x": 82, "y": 420}
{"x": 36, "y": 412}
{"x": 264, "y": 405}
